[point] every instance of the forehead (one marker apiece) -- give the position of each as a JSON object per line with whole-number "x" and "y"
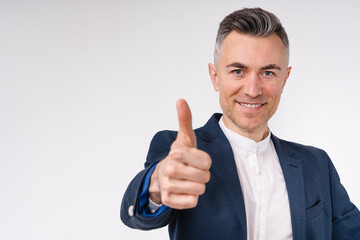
{"x": 253, "y": 50}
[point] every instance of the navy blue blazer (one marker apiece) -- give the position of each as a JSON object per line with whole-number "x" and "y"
{"x": 319, "y": 205}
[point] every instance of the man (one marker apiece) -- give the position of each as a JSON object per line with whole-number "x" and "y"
{"x": 232, "y": 178}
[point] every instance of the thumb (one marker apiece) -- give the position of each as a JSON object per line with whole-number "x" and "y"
{"x": 186, "y": 133}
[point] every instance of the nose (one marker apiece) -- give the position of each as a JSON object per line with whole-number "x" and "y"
{"x": 252, "y": 86}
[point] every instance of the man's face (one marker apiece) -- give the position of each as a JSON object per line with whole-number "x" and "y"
{"x": 250, "y": 74}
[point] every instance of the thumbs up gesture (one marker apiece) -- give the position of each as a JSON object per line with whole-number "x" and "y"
{"x": 179, "y": 179}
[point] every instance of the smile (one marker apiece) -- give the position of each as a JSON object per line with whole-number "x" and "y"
{"x": 248, "y": 105}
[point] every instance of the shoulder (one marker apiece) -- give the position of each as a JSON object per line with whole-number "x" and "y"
{"x": 308, "y": 155}
{"x": 301, "y": 148}
{"x": 162, "y": 141}
{"x": 170, "y": 135}
{"x": 164, "y": 135}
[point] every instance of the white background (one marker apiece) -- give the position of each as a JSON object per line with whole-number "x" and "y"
{"x": 84, "y": 85}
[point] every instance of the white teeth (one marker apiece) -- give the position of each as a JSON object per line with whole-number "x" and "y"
{"x": 250, "y": 105}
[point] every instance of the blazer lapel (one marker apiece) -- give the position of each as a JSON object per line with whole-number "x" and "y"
{"x": 224, "y": 165}
{"x": 293, "y": 176}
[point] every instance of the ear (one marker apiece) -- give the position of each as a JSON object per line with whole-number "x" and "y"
{"x": 214, "y": 77}
{"x": 287, "y": 74}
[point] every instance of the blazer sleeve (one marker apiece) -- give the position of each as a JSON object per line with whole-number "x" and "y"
{"x": 129, "y": 212}
{"x": 345, "y": 215}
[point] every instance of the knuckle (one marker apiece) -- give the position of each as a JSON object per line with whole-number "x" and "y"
{"x": 207, "y": 177}
{"x": 194, "y": 151}
{"x": 205, "y": 160}
{"x": 172, "y": 201}
{"x": 166, "y": 186}
{"x": 176, "y": 154}
{"x": 202, "y": 189}
{"x": 166, "y": 201}
{"x": 204, "y": 177}
{"x": 173, "y": 170}
{"x": 194, "y": 201}
{"x": 169, "y": 200}
{"x": 169, "y": 169}
{"x": 208, "y": 162}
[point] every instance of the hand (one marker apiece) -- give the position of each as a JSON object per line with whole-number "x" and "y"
{"x": 179, "y": 179}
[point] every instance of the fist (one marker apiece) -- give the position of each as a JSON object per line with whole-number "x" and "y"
{"x": 179, "y": 179}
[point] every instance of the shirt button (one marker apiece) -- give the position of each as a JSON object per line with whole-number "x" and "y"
{"x": 131, "y": 211}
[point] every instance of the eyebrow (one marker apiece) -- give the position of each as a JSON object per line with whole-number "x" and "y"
{"x": 237, "y": 65}
{"x": 243, "y": 66}
{"x": 271, "y": 66}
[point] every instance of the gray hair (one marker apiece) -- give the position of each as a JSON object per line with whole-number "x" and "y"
{"x": 250, "y": 21}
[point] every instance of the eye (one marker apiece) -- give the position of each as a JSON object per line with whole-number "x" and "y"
{"x": 238, "y": 71}
{"x": 268, "y": 74}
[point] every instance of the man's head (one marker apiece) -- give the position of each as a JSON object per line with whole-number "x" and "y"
{"x": 253, "y": 22}
{"x": 250, "y": 71}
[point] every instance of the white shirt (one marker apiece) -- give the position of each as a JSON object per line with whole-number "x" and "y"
{"x": 263, "y": 187}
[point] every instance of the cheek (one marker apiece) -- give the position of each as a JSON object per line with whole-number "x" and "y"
{"x": 273, "y": 91}
{"x": 229, "y": 88}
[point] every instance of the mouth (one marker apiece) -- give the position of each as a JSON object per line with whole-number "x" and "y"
{"x": 251, "y": 106}
{"x": 248, "y": 105}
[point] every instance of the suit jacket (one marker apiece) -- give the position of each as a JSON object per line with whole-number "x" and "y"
{"x": 319, "y": 205}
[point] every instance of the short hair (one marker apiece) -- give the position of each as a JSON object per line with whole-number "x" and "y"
{"x": 250, "y": 21}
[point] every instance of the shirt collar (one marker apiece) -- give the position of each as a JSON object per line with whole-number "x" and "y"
{"x": 242, "y": 142}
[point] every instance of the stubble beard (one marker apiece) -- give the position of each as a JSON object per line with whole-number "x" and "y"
{"x": 237, "y": 121}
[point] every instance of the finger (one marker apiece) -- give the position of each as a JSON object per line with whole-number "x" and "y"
{"x": 183, "y": 187}
{"x": 192, "y": 157}
{"x": 179, "y": 201}
{"x": 186, "y": 133}
{"x": 181, "y": 171}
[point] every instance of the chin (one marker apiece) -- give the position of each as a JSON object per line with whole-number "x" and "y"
{"x": 246, "y": 122}
{"x": 251, "y": 126}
